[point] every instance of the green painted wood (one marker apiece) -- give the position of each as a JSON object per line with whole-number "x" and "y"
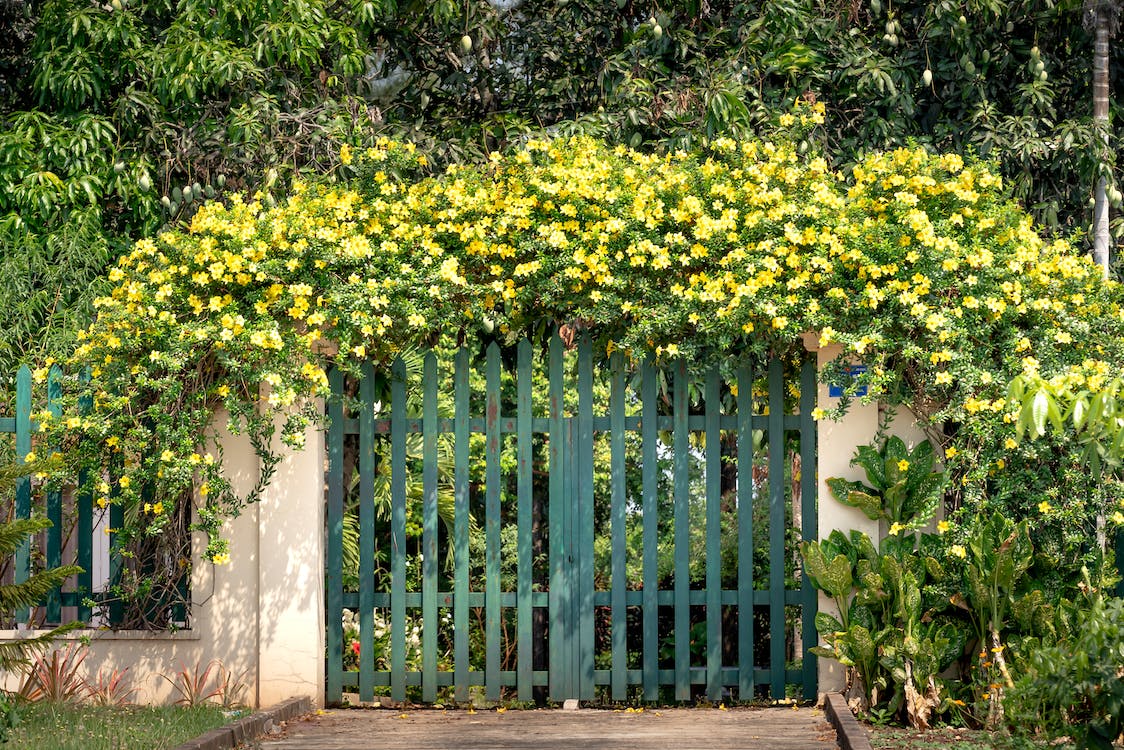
{"x": 460, "y": 524}
{"x": 333, "y": 594}
{"x": 558, "y": 514}
{"x": 398, "y": 471}
{"x": 53, "y": 611}
{"x": 583, "y": 521}
{"x": 116, "y": 607}
{"x": 429, "y": 529}
{"x": 619, "y": 580}
{"x": 745, "y": 533}
{"x": 681, "y": 448}
{"x": 22, "y": 562}
{"x": 524, "y": 377}
{"x": 809, "y": 526}
{"x": 649, "y": 479}
{"x": 493, "y": 617}
{"x": 85, "y": 530}
{"x": 367, "y": 398}
{"x": 777, "y": 529}
{"x": 713, "y": 398}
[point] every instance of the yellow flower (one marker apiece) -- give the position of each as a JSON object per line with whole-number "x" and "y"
{"x": 896, "y": 528}
{"x": 222, "y": 558}
{"x": 29, "y": 458}
{"x": 950, "y": 451}
{"x": 125, "y": 482}
{"x": 1044, "y": 507}
{"x": 167, "y": 456}
{"x": 1010, "y": 444}
{"x": 903, "y": 465}
{"x": 817, "y": 413}
{"x": 958, "y": 550}
{"x": 943, "y": 526}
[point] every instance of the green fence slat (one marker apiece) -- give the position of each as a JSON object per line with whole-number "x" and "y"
{"x": 429, "y": 528}
{"x": 649, "y": 480}
{"x": 618, "y": 519}
{"x": 776, "y": 530}
{"x": 85, "y": 530}
{"x": 398, "y": 470}
{"x": 584, "y": 519}
{"x": 713, "y": 397}
{"x": 681, "y": 445}
{"x": 561, "y": 631}
{"x": 54, "y": 505}
{"x": 22, "y": 563}
{"x": 525, "y": 573}
{"x": 460, "y": 524}
{"x": 745, "y": 533}
{"x": 492, "y": 615}
{"x": 809, "y": 525}
{"x": 116, "y": 608}
{"x": 333, "y": 595}
{"x": 367, "y": 398}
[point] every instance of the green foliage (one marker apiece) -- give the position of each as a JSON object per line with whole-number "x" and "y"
{"x": 1072, "y": 688}
{"x": 17, "y": 654}
{"x": 894, "y": 645}
{"x": 206, "y": 100}
{"x": 905, "y": 486}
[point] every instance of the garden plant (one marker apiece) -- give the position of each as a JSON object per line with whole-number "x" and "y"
{"x": 917, "y": 263}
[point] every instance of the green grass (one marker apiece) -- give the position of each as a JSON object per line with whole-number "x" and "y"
{"x": 52, "y": 726}
{"x": 949, "y": 738}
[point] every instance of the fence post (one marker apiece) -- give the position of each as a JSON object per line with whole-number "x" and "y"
{"x": 23, "y": 484}
{"x": 291, "y": 633}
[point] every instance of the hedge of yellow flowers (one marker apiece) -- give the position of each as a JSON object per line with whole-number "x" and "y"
{"x": 915, "y": 263}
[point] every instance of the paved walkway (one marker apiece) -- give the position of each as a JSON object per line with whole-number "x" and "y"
{"x": 649, "y": 729}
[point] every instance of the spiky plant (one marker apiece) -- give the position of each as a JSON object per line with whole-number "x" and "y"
{"x": 29, "y": 593}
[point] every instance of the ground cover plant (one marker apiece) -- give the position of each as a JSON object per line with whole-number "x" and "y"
{"x": 62, "y": 726}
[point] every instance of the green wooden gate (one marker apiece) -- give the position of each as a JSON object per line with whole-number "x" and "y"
{"x": 586, "y": 530}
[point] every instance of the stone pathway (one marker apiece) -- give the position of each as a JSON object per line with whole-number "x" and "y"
{"x": 551, "y": 729}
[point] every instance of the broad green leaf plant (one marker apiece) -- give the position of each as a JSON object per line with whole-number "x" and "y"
{"x": 894, "y": 647}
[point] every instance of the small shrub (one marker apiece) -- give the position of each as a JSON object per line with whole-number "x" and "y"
{"x": 1076, "y": 687}
{"x": 110, "y": 689}
{"x": 55, "y": 677}
{"x": 194, "y": 684}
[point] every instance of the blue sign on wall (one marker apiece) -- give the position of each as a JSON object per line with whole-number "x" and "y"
{"x": 853, "y": 371}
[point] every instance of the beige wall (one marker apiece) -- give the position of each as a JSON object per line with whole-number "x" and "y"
{"x": 261, "y": 615}
{"x": 838, "y": 441}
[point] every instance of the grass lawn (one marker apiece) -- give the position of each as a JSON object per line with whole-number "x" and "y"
{"x": 53, "y": 726}
{"x": 948, "y": 738}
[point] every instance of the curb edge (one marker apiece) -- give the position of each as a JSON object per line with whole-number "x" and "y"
{"x": 249, "y": 727}
{"x": 849, "y": 733}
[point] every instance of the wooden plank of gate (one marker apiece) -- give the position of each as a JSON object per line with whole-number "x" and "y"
{"x": 367, "y": 533}
{"x": 745, "y": 533}
{"x": 398, "y": 469}
{"x": 460, "y": 524}
{"x": 584, "y": 520}
{"x": 85, "y": 528}
{"x": 492, "y": 584}
{"x": 54, "y": 504}
{"x": 23, "y": 484}
{"x": 649, "y": 487}
{"x": 713, "y": 537}
{"x": 809, "y": 525}
{"x": 334, "y": 585}
{"x": 429, "y": 529}
{"x": 681, "y": 445}
{"x": 776, "y": 530}
{"x": 524, "y": 412}
{"x": 560, "y": 630}
{"x": 619, "y": 541}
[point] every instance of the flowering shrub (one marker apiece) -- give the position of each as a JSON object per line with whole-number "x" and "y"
{"x": 915, "y": 263}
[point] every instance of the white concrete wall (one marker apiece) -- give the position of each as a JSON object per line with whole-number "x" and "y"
{"x": 837, "y": 443}
{"x": 261, "y": 615}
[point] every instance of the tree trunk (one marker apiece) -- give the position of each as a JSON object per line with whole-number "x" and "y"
{"x": 1100, "y": 118}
